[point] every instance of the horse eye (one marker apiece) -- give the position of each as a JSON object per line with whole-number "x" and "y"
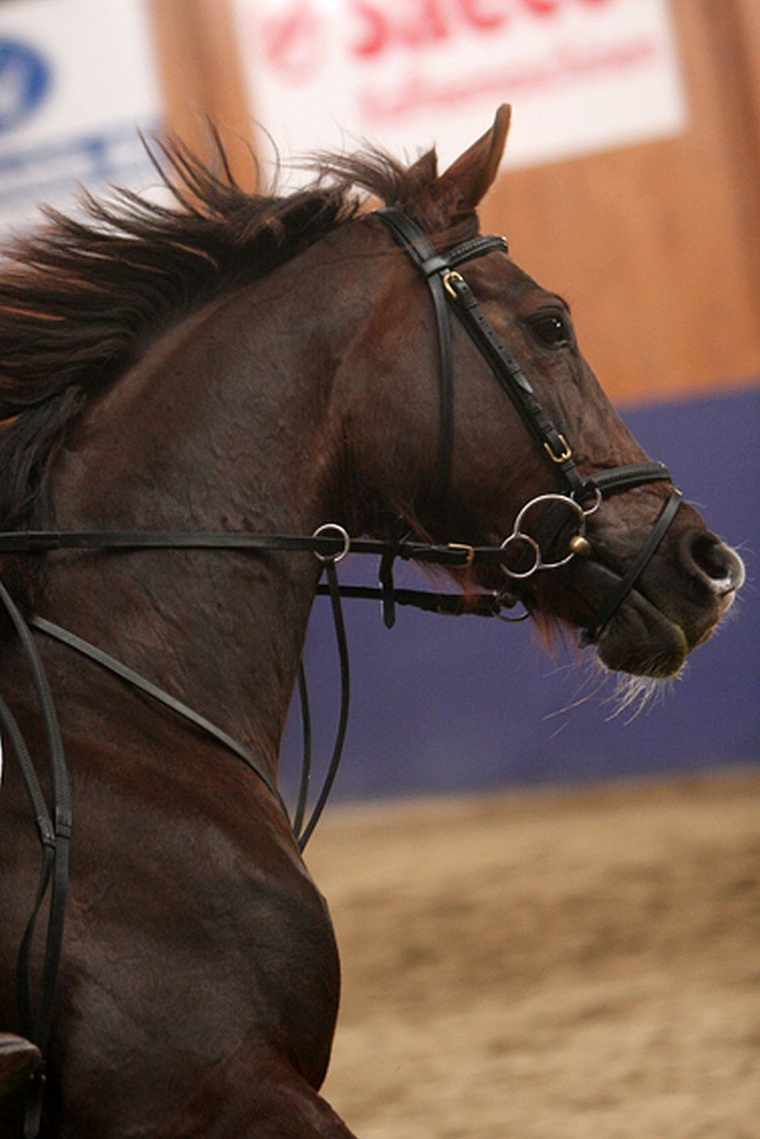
{"x": 552, "y": 329}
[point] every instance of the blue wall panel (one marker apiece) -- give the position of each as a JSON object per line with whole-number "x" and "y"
{"x": 445, "y": 704}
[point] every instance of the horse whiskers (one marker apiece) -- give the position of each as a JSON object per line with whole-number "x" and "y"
{"x": 633, "y": 695}
{"x": 592, "y": 682}
{"x": 630, "y": 695}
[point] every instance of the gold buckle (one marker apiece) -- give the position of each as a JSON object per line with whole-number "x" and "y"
{"x": 447, "y": 278}
{"x": 566, "y": 454}
{"x": 468, "y": 550}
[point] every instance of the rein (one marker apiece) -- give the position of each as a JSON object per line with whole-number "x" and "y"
{"x": 521, "y": 555}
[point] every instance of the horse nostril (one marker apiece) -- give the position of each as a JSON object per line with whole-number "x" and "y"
{"x": 715, "y": 564}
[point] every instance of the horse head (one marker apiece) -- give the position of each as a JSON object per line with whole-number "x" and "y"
{"x": 570, "y": 563}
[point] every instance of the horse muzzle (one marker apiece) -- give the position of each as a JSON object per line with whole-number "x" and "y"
{"x": 675, "y": 606}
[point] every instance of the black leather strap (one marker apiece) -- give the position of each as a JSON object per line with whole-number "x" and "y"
{"x": 55, "y": 834}
{"x": 624, "y": 478}
{"x": 515, "y": 383}
{"x": 432, "y": 265}
{"x": 42, "y": 541}
{"x": 450, "y": 604}
{"x": 85, "y": 648}
{"x": 333, "y": 590}
{"x": 324, "y": 545}
{"x": 453, "y": 289}
{"x": 635, "y": 569}
{"x": 454, "y": 556}
{"x": 476, "y": 247}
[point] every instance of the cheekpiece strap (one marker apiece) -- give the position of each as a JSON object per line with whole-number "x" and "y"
{"x": 444, "y": 280}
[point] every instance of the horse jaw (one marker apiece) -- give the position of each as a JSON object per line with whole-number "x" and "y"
{"x": 652, "y": 633}
{"x": 641, "y": 640}
{"x": 660, "y": 636}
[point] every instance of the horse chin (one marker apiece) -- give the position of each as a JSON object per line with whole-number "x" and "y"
{"x": 652, "y": 632}
{"x": 643, "y": 641}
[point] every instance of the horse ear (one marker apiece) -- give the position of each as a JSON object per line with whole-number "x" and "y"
{"x": 465, "y": 183}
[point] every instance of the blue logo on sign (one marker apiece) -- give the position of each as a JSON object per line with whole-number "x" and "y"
{"x": 24, "y": 82}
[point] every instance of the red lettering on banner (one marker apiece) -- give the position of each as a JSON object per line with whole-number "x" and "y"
{"x": 425, "y": 23}
{"x": 543, "y": 7}
{"x": 483, "y": 13}
{"x": 422, "y": 23}
{"x": 293, "y": 41}
{"x": 430, "y": 25}
{"x": 381, "y": 106}
{"x": 374, "y": 29}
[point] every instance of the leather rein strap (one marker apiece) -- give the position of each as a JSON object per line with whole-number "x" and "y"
{"x": 54, "y": 830}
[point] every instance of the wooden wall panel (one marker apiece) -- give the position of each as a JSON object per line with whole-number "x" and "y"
{"x": 202, "y": 79}
{"x": 655, "y": 246}
{"x": 748, "y": 35}
{"x": 740, "y": 58}
{"x": 650, "y": 243}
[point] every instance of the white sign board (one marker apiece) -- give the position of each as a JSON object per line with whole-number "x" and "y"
{"x": 76, "y": 82}
{"x": 582, "y": 75}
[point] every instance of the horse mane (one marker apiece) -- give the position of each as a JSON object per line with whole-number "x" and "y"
{"x": 80, "y": 299}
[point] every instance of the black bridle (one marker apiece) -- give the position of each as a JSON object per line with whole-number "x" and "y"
{"x": 449, "y": 290}
{"x": 520, "y": 555}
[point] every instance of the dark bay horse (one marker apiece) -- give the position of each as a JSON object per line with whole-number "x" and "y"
{"x": 240, "y": 366}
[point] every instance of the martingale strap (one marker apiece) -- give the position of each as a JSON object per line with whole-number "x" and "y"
{"x": 105, "y": 660}
{"x": 54, "y": 830}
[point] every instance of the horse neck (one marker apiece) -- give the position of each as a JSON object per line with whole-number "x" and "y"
{"x": 226, "y": 424}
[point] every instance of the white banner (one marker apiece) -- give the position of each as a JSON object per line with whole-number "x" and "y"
{"x": 582, "y": 75}
{"x": 76, "y": 81}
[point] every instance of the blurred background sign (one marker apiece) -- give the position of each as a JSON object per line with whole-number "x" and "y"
{"x": 588, "y": 74}
{"x": 76, "y": 81}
